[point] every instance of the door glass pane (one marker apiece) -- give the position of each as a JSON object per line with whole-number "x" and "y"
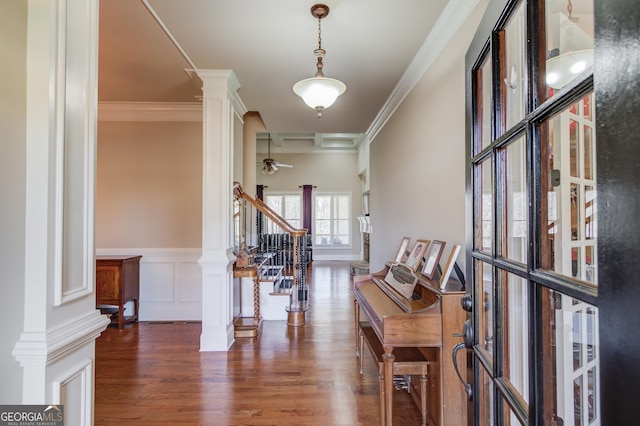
{"x": 483, "y": 105}
{"x": 569, "y": 240}
{"x": 513, "y": 93}
{"x": 486, "y": 398}
{"x": 510, "y": 419}
{"x": 569, "y": 41}
{"x": 487, "y": 311}
{"x": 570, "y": 360}
{"x": 515, "y": 182}
{"x": 515, "y": 339}
{"x": 483, "y": 207}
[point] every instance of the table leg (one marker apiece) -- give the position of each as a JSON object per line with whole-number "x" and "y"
{"x": 382, "y": 399}
{"x": 356, "y": 316}
{"x": 120, "y": 316}
{"x": 360, "y": 345}
{"x": 423, "y": 399}
{"x": 388, "y": 359}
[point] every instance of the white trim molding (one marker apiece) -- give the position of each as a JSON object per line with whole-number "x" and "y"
{"x": 150, "y": 111}
{"x": 40, "y": 349}
{"x": 450, "y": 20}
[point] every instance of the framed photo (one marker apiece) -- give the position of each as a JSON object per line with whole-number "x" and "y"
{"x": 416, "y": 254}
{"x": 446, "y": 272}
{"x": 402, "y": 250}
{"x": 432, "y": 258}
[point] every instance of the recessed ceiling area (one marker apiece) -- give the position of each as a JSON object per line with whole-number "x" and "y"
{"x": 309, "y": 143}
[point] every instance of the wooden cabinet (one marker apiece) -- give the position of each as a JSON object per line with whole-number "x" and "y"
{"x": 118, "y": 282}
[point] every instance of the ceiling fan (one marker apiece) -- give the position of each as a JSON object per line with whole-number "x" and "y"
{"x": 269, "y": 165}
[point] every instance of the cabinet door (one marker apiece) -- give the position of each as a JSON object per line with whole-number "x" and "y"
{"x": 107, "y": 284}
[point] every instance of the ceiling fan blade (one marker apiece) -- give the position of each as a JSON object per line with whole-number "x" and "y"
{"x": 283, "y": 165}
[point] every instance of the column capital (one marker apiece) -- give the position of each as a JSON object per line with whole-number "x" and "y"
{"x": 216, "y": 82}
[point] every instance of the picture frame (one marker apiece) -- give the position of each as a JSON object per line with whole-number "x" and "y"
{"x": 448, "y": 267}
{"x": 432, "y": 258}
{"x": 402, "y": 250}
{"x": 416, "y": 254}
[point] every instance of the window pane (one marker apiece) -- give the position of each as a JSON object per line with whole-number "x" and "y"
{"x": 569, "y": 47}
{"x": 483, "y": 105}
{"x": 569, "y": 241}
{"x": 570, "y": 360}
{"x": 288, "y": 206}
{"x": 515, "y": 325}
{"x": 343, "y": 207}
{"x": 292, "y": 206}
{"x": 516, "y": 202}
{"x": 322, "y": 227}
{"x": 323, "y": 207}
{"x": 295, "y": 223}
{"x": 275, "y": 202}
{"x": 513, "y": 70}
{"x": 343, "y": 227}
{"x": 486, "y": 398}
{"x": 483, "y": 207}
{"x": 487, "y": 313}
{"x": 510, "y": 419}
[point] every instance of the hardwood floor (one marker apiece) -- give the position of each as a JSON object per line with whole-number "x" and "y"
{"x": 154, "y": 374}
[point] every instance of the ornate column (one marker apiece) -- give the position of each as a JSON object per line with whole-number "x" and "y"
{"x": 221, "y": 109}
{"x": 59, "y": 325}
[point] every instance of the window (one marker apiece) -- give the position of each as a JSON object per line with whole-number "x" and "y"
{"x": 332, "y": 220}
{"x": 288, "y": 206}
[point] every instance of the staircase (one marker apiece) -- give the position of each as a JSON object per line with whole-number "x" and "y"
{"x": 276, "y": 262}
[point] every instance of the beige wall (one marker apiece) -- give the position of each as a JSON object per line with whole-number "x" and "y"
{"x": 330, "y": 173}
{"x": 149, "y": 185}
{"x": 418, "y": 158}
{"x": 13, "y": 20}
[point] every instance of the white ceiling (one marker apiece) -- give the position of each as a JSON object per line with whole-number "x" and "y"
{"x": 146, "y": 46}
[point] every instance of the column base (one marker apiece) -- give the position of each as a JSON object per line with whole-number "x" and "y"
{"x": 296, "y": 318}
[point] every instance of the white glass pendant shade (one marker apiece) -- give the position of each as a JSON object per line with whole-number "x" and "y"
{"x": 564, "y": 68}
{"x": 319, "y": 92}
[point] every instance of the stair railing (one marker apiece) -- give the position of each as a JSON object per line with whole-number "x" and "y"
{"x": 286, "y": 248}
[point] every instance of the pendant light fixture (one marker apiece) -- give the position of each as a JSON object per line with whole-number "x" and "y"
{"x": 562, "y": 68}
{"x": 319, "y": 92}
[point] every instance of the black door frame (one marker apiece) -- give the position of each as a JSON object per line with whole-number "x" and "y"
{"x": 616, "y": 83}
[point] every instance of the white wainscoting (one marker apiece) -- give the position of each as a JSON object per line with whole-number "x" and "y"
{"x": 170, "y": 283}
{"x": 74, "y": 390}
{"x": 318, "y": 255}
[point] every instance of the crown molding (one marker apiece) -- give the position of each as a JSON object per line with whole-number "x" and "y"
{"x": 149, "y": 111}
{"x": 451, "y": 19}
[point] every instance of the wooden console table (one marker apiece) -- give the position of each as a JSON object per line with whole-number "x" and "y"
{"x": 118, "y": 282}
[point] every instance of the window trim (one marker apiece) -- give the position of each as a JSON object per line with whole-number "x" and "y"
{"x": 350, "y": 221}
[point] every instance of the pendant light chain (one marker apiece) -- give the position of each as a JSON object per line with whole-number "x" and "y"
{"x": 319, "y": 35}
{"x": 319, "y": 52}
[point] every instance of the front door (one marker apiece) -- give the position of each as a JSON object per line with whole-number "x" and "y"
{"x": 533, "y": 212}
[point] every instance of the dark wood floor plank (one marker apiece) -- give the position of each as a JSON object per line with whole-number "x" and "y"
{"x": 154, "y": 374}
